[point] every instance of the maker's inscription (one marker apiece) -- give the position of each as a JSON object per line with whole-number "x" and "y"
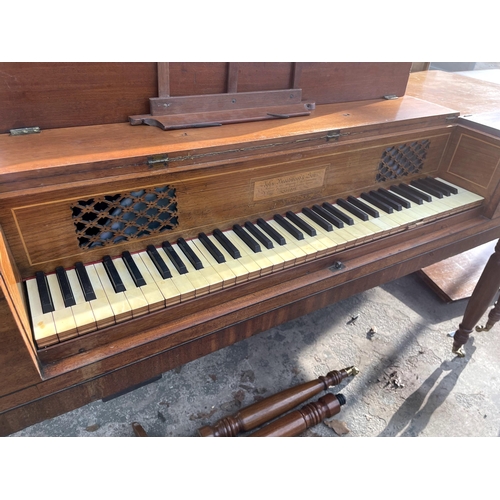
{"x": 287, "y": 184}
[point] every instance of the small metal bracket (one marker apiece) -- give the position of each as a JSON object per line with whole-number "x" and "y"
{"x": 337, "y": 266}
{"x": 158, "y": 160}
{"x": 25, "y": 131}
{"x": 390, "y": 97}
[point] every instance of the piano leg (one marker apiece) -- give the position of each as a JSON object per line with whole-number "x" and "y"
{"x": 493, "y": 317}
{"x": 480, "y": 300}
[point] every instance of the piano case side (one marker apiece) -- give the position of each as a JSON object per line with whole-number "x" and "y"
{"x": 472, "y": 160}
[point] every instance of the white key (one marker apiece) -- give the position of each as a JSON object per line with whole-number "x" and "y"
{"x": 297, "y": 251}
{"x": 350, "y": 234}
{"x": 213, "y": 278}
{"x": 167, "y": 287}
{"x": 44, "y": 328}
{"x": 466, "y": 195}
{"x": 150, "y": 290}
{"x": 63, "y": 316}
{"x": 199, "y": 284}
{"x": 273, "y": 260}
{"x": 82, "y": 310}
{"x": 135, "y": 297}
{"x": 101, "y": 308}
{"x": 264, "y": 265}
{"x": 237, "y": 268}
{"x": 118, "y": 301}
{"x": 222, "y": 269}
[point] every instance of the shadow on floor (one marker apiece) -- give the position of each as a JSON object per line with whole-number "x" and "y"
{"x": 416, "y": 411}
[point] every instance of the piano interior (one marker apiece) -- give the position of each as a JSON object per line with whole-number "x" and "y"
{"x": 128, "y": 248}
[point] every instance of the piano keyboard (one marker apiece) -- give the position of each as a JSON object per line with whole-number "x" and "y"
{"x": 73, "y": 302}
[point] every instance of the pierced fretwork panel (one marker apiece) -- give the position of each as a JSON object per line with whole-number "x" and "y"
{"x": 114, "y": 218}
{"x": 399, "y": 161}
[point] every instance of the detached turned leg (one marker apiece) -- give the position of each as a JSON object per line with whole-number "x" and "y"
{"x": 481, "y": 298}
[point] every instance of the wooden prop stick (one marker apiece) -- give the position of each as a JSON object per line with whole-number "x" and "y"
{"x": 163, "y": 79}
{"x": 232, "y": 78}
{"x": 263, "y": 411}
{"x": 296, "y": 74}
{"x": 481, "y": 298}
{"x": 298, "y": 421}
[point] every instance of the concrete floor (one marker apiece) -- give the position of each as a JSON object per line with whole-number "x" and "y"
{"x": 410, "y": 384}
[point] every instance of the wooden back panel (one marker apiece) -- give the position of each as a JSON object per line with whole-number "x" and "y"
{"x": 55, "y": 95}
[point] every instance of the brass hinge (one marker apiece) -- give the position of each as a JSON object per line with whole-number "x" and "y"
{"x": 333, "y": 135}
{"x": 25, "y": 131}
{"x": 158, "y": 160}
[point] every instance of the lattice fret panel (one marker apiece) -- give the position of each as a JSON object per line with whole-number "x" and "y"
{"x": 114, "y": 218}
{"x": 403, "y": 160}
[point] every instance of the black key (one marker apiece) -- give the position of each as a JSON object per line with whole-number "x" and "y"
{"x": 338, "y": 214}
{"x": 363, "y": 206}
{"x": 277, "y": 237}
{"x": 214, "y": 251}
{"x": 133, "y": 269}
{"x": 66, "y": 292}
{"x": 403, "y": 194}
{"x": 158, "y": 262}
{"x": 85, "y": 283}
{"x": 301, "y": 223}
{"x": 415, "y": 192}
{"x": 375, "y": 201}
{"x": 353, "y": 209}
{"x": 452, "y": 189}
{"x": 316, "y": 217}
{"x": 394, "y": 197}
{"x": 44, "y": 292}
{"x": 174, "y": 258}
{"x": 328, "y": 217}
{"x": 246, "y": 238}
{"x": 188, "y": 252}
{"x": 388, "y": 201}
{"x": 113, "y": 275}
{"x": 288, "y": 227}
{"x": 424, "y": 187}
{"x": 228, "y": 246}
{"x": 440, "y": 187}
{"x": 257, "y": 233}
{"x": 439, "y": 192}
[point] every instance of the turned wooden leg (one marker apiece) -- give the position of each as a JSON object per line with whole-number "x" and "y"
{"x": 263, "y": 411}
{"x": 481, "y": 298}
{"x": 298, "y": 421}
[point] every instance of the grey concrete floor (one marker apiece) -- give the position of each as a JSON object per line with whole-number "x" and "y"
{"x": 410, "y": 384}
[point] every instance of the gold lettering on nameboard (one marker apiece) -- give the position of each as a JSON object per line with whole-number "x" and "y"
{"x": 288, "y": 184}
